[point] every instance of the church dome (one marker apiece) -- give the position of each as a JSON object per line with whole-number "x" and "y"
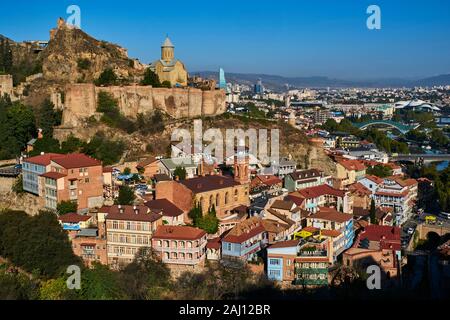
{"x": 167, "y": 43}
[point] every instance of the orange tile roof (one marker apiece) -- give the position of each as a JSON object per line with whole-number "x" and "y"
{"x": 76, "y": 160}
{"x": 317, "y": 191}
{"x": 285, "y": 244}
{"x": 178, "y": 233}
{"x": 375, "y": 179}
{"x": 73, "y": 218}
{"x": 53, "y": 175}
{"x": 331, "y": 214}
{"x": 352, "y": 165}
{"x": 245, "y": 230}
{"x": 43, "y": 159}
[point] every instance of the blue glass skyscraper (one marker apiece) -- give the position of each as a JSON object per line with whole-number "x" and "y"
{"x": 222, "y": 81}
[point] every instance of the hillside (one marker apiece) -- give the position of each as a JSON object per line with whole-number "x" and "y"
{"x": 293, "y": 142}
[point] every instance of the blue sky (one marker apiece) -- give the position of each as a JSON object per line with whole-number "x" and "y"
{"x": 284, "y": 37}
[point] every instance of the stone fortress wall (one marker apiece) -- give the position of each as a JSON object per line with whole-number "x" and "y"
{"x": 81, "y": 102}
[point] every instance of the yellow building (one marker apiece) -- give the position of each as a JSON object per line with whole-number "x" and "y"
{"x": 168, "y": 68}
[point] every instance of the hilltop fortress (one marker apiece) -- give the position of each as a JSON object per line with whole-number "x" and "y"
{"x": 81, "y": 101}
{"x": 71, "y": 61}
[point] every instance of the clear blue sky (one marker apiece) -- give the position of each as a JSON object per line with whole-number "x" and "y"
{"x": 284, "y": 37}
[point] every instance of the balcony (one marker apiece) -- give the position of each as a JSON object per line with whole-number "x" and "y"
{"x": 312, "y": 253}
{"x": 184, "y": 261}
{"x": 311, "y": 282}
{"x": 250, "y": 248}
{"x": 311, "y": 270}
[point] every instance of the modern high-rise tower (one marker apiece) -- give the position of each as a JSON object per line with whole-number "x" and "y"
{"x": 222, "y": 81}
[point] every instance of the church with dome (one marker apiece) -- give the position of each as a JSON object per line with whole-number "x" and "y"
{"x": 168, "y": 68}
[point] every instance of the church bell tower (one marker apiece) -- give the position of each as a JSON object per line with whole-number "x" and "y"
{"x": 167, "y": 50}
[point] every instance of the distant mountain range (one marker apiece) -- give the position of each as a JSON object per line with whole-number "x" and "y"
{"x": 275, "y": 82}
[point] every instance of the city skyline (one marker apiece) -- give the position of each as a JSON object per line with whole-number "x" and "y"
{"x": 292, "y": 40}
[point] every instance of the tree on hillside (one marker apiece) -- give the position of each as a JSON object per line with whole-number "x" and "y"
{"x": 65, "y": 207}
{"x": 379, "y": 171}
{"x": 48, "y": 117}
{"x": 126, "y": 196}
{"x": 47, "y": 144}
{"x": 166, "y": 84}
{"x": 151, "y": 79}
{"x": 106, "y": 78}
{"x": 373, "y": 217}
{"x": 37, "y": 243}
{"x": 101, "y": 283}
{"x": 147, "y": 277}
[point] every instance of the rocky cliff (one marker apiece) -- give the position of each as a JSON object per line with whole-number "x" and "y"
{"x": 74, "y": 56}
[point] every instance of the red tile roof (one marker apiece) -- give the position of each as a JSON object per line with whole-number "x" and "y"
{"x": 53, "y": 175}
{"x": 73, "y": 218}
{"x": 317, "y": 191}
{"x": 285, "y": 244}
{"x": 214, "y": 243}
{"x": 352, "y": 165}
{"x": 76, "y": 160}
{"x": 267, "y": 179}
{"x": 165, "y": 207}
{"x": 359, "y": 189}
{"x": 305, "y": 174}
{"x": 178, "y": 233}
{"x": 245, "y": 230}
{"x": 375, "y": 232}
{"x": 331, "y": 214}
{"x": 208, "y": 183}
{"x": 44, "y": 159}
{"x": 130, "y": 213}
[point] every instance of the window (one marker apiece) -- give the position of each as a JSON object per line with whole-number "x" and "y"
{"x": 229, "y": 246}
{"x": 274, "y": 262}
{"x": 275, "y": 273}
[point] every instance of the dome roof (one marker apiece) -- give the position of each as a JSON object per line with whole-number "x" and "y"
{"x": 167, "y": 43}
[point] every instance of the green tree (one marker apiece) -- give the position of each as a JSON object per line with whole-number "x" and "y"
{"x": 151, "y": 79}
{"x": 71, "y": 145}
{"x": 126, "y": 195}
{"x": 126, "y": 171}
{"x": 64, "y": 207}
{"x": 18, "y": 185}
{"x": 180, "y": 172}
{"x": 373, "y": 217}
{"x": 166, "y": 84}
{"x": 48, "y": 118}
{"x": 147, "y": 277}
{"x": 47, "y": 144}
{"x": 106, "y": 78}
{"x": 379, "y": 171}
{"x": 36, "y": 244}
{"x": 101, "y": 283}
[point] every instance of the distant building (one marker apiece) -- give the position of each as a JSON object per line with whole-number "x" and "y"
{"x": 33, "y": 167}
{"x": 222, "y": 81}
{"x": 258, "y": 89}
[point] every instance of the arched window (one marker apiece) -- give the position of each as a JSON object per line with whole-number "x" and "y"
{"x": 226, "y": 197}
{"x": 189, "y": 244}
{"x": 202, "y": 202}
{"x": 182, "y": 255}
{"x": 189, "y": 256}
{"x": 181, "y": 244}
{"x": 217, "y": 200}
{"x": 211, "y": 201}
{"x": 166, "y": 243}
{"x": 166, "y": 255}
{"x": 235, "y": 195}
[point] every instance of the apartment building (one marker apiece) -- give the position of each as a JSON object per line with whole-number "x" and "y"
{"x": 128, "y": 228}
{"x": 310, "y": 199}
{"x": 33, "y": 167}
{"x": 180, "y": 247}
{"x": 349, "y": 171}
{"x": 393, "y": 192}
{"x": 380, "y": 245}
{"x": 302, "y": 179}
{"x": 72, "y": 177}
{"x": 336, "y": 225}
{"x": 245, "y": 240}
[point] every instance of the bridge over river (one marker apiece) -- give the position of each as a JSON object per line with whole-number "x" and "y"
{"x": 403, "y": 128}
